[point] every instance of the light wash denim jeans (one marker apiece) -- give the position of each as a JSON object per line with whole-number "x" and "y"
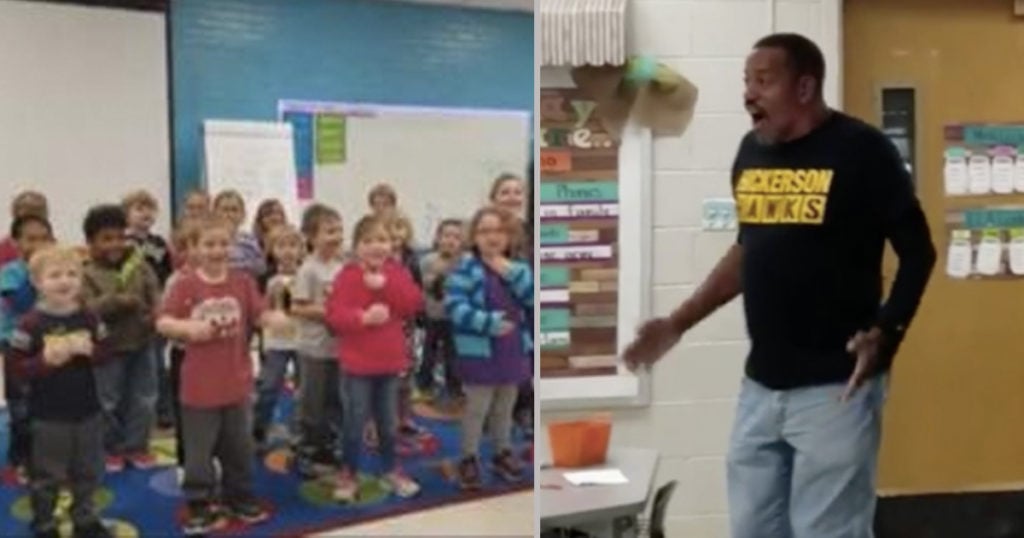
{"x": 802, "y": 464}
{"x": 365, "y": 398}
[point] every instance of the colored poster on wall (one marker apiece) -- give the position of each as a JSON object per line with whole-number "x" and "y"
{"x": 330, "y": 139}
{"x": 302, "y": 132}
{"x": 579, "y": 268}
{"x": 983, "y": 159}
{"x": 985, "y": 243}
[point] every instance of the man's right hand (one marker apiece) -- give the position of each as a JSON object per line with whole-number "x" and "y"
{"x": 653, "y": 340}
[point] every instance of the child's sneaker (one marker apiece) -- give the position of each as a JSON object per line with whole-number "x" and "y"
{"x": 347, "y": 488}
{"x": 14, "y": 476}
{"x": 115, "y": 464}
{"x": 202, "y": 518}
{"x": 507, "y": 467}
{"x": 141, "y": 460}
{"x": 401, "y": 484}
{"x": 93, "y": 529}
{"x": 469, "y": 473}
{"x": 248, "y": 511}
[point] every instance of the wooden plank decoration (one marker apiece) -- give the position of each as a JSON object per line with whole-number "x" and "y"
{"x": 579, "y": 228}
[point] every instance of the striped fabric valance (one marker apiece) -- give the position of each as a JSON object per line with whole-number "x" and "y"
{"x": 582, "y": 32}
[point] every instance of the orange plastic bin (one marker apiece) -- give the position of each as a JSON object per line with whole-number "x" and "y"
{"x": 579, "y": 443}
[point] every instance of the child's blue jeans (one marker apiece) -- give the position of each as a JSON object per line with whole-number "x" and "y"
{"x": 271, "y": 380}
{"x": 365, "y": 398}
{"x": 802, "y": 463}
{"x": 127, "y": 387}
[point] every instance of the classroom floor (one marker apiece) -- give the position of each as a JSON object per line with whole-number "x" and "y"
{"x": 508, "y": 515}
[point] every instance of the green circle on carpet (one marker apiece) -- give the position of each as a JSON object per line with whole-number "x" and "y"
{"x": 21, "y": 509}
{"x": 318, "y": 492}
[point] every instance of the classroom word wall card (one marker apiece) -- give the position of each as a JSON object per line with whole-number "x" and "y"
{"x": 983, "y": 177}
{"x": 579, "y": 209}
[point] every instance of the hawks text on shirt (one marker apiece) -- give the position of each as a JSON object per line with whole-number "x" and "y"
{"x": 782, "y": 195}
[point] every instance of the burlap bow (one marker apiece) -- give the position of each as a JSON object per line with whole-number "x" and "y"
{"x": 654, "y": 95}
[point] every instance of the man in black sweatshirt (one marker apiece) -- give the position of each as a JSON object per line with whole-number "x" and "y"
{"x": 818, "y": 193}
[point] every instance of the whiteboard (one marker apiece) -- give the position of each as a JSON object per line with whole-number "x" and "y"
{"x": 83, "y": 109}
{"x": 255, "y": 158}
{"x": 441, "y": 161}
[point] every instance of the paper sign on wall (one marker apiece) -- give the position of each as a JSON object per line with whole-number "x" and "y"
{"x": 979, "y": 174}
{"x": 990, "y": 254}
{"x": 986, "y": 243}
{"x": 955, "y": 171}
{"x": 1003, "y": 165}
{"x": 1017, "y": 251}
{"x": 958, "y": 259}
{"x": 330, "y": 139}
{"x": 983, "y": 159}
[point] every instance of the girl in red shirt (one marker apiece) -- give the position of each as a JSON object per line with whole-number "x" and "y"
{"x": 370, "y": 301}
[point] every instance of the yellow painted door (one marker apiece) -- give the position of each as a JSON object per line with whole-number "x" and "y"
{"x": 955, "y": 417}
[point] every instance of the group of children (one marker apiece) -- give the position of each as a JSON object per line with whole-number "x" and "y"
{"x": 83, "y": 335}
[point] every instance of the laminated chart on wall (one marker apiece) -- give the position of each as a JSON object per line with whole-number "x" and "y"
{"x": 983, "y": 159}
{"x": 579, "y": 225}
{"x": 985, "y": 243}
{"x": 984, "y": 163}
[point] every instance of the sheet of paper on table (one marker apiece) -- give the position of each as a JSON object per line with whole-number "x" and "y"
{"x": 602, "y": 477}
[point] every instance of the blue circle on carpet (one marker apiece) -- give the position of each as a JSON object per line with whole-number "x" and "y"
{"x": 165, "y": 482}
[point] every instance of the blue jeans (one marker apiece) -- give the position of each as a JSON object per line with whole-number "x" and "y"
{"x": 802, "y": 464}
{"x": 363, "y": 398}
{"x": 272, "y": 375}
{"x": 127, "y": 387}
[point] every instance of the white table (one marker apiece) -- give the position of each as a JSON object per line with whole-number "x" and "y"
{"x": 565, "y": 505}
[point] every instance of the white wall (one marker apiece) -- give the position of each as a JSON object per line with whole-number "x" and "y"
{"x": 695, "y": 387}
{"x": 83, "y": 108}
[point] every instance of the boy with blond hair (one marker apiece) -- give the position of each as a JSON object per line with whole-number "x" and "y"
{"x": 55, "y": 348}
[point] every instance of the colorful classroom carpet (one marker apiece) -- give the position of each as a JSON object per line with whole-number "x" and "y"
{"x": 148, "y": 503}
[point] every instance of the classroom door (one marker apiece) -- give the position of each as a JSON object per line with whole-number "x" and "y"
{"x": 955, "y": 416}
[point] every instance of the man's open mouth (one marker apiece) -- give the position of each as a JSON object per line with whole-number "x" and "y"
{"x": 758, "y": 117}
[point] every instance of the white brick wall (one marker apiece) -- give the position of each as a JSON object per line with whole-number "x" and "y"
{"x": 695, "y": 387}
